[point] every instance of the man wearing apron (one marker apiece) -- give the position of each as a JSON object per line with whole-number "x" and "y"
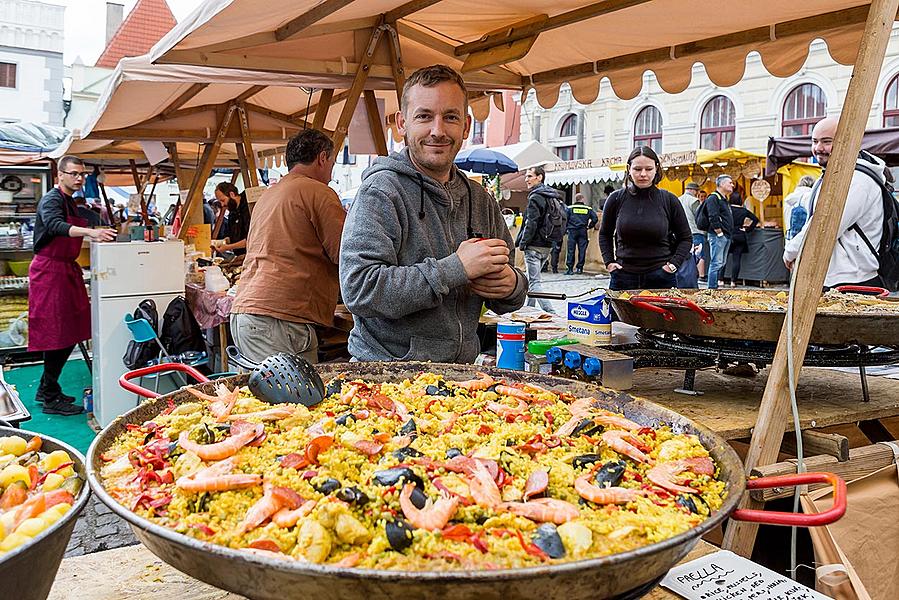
{"x": 59, "y": 313}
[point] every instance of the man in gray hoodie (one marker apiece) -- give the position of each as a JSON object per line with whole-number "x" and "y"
{"x": 423, "y": 247}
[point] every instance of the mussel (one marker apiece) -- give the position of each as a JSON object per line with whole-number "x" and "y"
{"x": 581, "y": 427}
{"x": 418, "y": 498}
{"x": 686, "y": 502}
{"x": 609, "y": 475}
{"x": 585, "y": 460}
{"x": 547, "y": 538}
{"x": 343, "y": 419}
{"x": 399, "y": 534}
{"x": 328, "y": 486}
{"x": 199, "y": 504}
{"x": 406, "y": 452}
{"x": 453, "y": 453}
{"x": 353, "y": 495}
{"x": 395, "y": 475}
{"x": 333, "y": 386}
{"x": 408, "y": 428}
{"x": 438, "y": 390}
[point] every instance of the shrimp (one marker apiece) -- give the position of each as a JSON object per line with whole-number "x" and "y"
{"x": 350, "y": 560}
{"x": 610, "y": 495}
{"x": 610, "y": 419}
{"x": 534, "y": 389}
{"x": 350, "y": 393}
{"x": 536, "y": 483}
{"x": 626, "y": 443}
{"x": 581, "y": 406}
{"x": 264, "y": 508}
{"x": 568, "y": 427}
{"x": 663, "y": 474}
{"x": 217, "y": 477}
{"x": 272, "y": 414}
{"x": 472, "y": 385}
{"x": 483, "y": 488}
{"x": 507, "y": 390}
{"x": 242, "y": 433}
{"x": 222, "y": 403}
{"x": 400, "y": 409}
{"x": 544, "y": 510}
{"x": 434, "y": 516}
{"x": 287, "y": 518}
{"x": 505, "y": 410}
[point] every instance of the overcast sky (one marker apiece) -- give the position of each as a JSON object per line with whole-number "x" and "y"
{"x": 85, "y": 34}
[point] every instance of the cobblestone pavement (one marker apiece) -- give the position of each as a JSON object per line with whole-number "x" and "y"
{"x": 98, "y": 528}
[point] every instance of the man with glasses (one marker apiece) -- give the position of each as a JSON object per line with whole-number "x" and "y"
{"x": 59, "y": 315}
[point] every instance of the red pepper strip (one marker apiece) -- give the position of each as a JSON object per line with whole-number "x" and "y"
{"x": 33, "y": 476}
{"x": 170, "y": 408}
{"x": 552, "y": 442}
{"x": 458, "y": 532}
{"x": 264, "y": 544}
{"x": 479, "y": 542}
{"x": 204, "y": 528}
{"x": 59, "y": 468}
{"x": 330, "y": 413}
{"x": 429, "y": 404}
{"x": 530, "y": 548}
{"x": 500, "y": 532}
{"x": 549, "y": 417}
{"x": 531, "y": 448}
{"x": 647, "y": 431}
{"x": 164, "y": 500}
{"x": 485, "y": 430}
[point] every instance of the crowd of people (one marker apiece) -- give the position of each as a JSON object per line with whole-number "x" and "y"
{"x": 423, "y": 250}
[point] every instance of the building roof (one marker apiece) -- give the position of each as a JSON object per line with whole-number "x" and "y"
{"x": 147, "y": 22}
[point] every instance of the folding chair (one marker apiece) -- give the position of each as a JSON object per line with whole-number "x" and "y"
{"x": 142, "y": 331}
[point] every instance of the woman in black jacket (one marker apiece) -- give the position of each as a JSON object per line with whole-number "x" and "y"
{"x": 744, "y": 222}
{"x": 644, "y": 236}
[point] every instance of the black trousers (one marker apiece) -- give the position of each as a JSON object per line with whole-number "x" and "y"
{"x": 554, "y": 256}
{"x": 54, "y": 361}
{"x": 736, "y": 256}
{"x": 577, "y": 239}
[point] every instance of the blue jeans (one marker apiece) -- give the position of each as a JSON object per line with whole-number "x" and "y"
{"x": 658, "y": 280}
{"x": 718, "y": 246}
{"x": 535, "y": 258}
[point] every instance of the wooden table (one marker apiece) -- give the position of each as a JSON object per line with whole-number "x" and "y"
{"x": 729, "y": 405}
{"x": 134, "y": 573}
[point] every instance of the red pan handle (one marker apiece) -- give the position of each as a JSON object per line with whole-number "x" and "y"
{"x": 799, "y": 520}
{"x": 864, "y": 289}
{"x": 657, "y": 303}
{"x": 160, "y": 368}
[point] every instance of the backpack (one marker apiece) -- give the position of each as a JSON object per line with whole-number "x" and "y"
{"x": 554, "y": 221}
{"x": 180, "y": 330}
{"x": 888, "y": 253}
{"x": 139, "y": 354}
{"x": 702, "y": 216}
{"x": 798, "y": 217}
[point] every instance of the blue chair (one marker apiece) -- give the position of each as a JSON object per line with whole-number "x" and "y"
{"x": 142, "y": 331}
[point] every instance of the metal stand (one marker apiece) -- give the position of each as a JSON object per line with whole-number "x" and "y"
{"x": 689, "y": 383}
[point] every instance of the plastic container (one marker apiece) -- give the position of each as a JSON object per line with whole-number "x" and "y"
{"x": 542, "y": 346}
{"x": 510, "y": 345}
{"x": 216, "y": 280}
{"x": 19, "y": 268}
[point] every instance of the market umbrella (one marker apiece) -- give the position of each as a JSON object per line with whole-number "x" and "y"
{"x": 485, "y": 161}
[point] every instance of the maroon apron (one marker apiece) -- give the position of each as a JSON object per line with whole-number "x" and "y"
{"x": 59, "y": 313}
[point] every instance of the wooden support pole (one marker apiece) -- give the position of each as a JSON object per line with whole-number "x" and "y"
{"x": 396, "y": 62}
{"x": 812, "y": 267}
{"x": 375, "y": 123}
{"x": 109, "y": 214}
{"x": 247, "y": 144}
{"x": 242, "y": 160}
{"x": 176, "y": 162}
{"x": 346, "y": 115}
{"x": 195, "y": 195}
{"x": 321, "y": 108}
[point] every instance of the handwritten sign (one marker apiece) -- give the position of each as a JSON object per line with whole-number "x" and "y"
{"x": 727, "y": 576}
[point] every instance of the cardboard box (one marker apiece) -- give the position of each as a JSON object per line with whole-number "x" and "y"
{"x": 590, "y": 321}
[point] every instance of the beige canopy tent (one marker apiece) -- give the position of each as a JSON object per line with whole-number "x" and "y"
{"x": 534, "y": 44}
{"x": 207, "y": 118}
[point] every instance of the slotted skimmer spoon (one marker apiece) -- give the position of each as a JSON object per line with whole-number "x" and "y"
{"x": 281, "y": 378}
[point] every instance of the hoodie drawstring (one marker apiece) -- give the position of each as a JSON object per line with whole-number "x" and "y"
{"x": 421, "y": 189}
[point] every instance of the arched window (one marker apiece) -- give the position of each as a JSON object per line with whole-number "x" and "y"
{"x": 805, "y": 105}
{"x": 648, "y": 128}
{"x": 569, "y": 126}
{"x": 477, "y": 131}
{"x": 566, "y": 152}
{"x": 718, "y": 125}
{"x": 891, "y": 104}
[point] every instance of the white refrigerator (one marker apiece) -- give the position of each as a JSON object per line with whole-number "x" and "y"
{"x": 122, "y": 275}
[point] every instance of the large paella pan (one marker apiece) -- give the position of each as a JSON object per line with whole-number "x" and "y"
{"x": 842, "y": 318}
{"x": 260, "y": 573}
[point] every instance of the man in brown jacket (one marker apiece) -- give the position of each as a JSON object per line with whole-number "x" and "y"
{"x": 289, "y": 282}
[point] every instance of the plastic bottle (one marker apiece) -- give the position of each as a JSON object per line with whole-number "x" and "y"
{"x": 87, "y": 400}
{"x": 592, "y": 369}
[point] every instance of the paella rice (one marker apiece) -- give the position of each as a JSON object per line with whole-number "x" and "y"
{"x": 832, "y": 301}
{"x": 419, "y": 474}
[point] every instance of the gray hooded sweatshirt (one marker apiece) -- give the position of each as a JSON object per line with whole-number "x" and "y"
{"x": 399, "y": 272}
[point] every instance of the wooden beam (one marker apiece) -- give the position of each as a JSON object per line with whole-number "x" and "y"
{"x": 274, "y": 114}
{"x": 197, "y": 135}
{"x": 109, "y": 211}
{"x": 375, "y": 123}
{"x": 499, "y": 55}
{"x": 407, "y": 9}
{"x": 250, "y": 93}
{"x": 184, "y": 98}
{"x": 322, "y": 107}
{"x": 242, "y": 159}
{"x": 346, "y": 115}
{"x": 310, "y": 17}
{"x": 135, "y": 174}
{"x": 209, "y": 155}
{"x": 529, "y": 27}
{"x": 247, "y": 146}
{"x": 176, "y": 162}
{"x": 810, "y": 268}
{"x": 819, "y": 442}
{"x": 696, "y": 49}
{"x": 333, "y": 99}
{"x": 426, "y": 39}
{"x": 396, "y": 62}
